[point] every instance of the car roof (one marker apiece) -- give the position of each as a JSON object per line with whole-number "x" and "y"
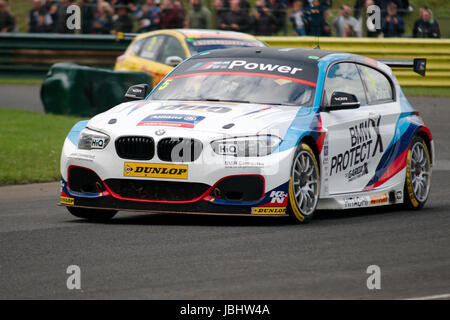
{"x": 203, "y": 33}
{"x": 285, "y": 54}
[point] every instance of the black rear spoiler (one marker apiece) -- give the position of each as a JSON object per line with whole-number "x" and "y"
{"x": 419, "y": 65}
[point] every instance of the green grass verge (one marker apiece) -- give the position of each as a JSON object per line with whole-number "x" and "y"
{"x": 427, "y": 91}
{"x": 22, "y": 81}
{"x": 30, "y": 145}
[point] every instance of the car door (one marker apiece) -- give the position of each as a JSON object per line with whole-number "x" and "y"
{"x": 381, "y": 106}
{"x": 350, "y": 140}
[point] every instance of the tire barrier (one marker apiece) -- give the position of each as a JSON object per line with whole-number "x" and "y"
{"x": 71, "y": 89}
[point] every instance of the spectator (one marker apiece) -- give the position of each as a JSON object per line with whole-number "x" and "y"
{"x": 103, "y": 22}
{"x": 220, "y": 12}
{"x": 392, "y": 25}
{"x": 344, "y": 18}
{"x": 51, "y": 6}
{"x": 199, "y": 16}
{"x": 170, "y": 15}
{"x": 38, "y": 18}
{"x": 61, "y": 16}
{"x": 245, "y": 6}
{"x": 426, "y": 26}
{"x": 324, "y": 3}
{"x": 122, "y": 21}
{"x": 371, "y": 28}
{"x": 298, "y": 19}
{"x": 147, "y": 15}
{"x": 349, "y": 31}
{"x": 317, "y": 24}
{"x": 178, "y": 5}
{"x": 359, "y": 4}
{"x": 88, "y": 9}
{"x": 7, "y": 21}
{"x": 279, "y": 11}
{"x": 235, "y": 19}
{"x": 403, "y": 7}
{"x": 264, "y": 22}
{"x": 326, "y": 29}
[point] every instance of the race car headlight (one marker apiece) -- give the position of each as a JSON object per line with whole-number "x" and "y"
{"x": 90, "y": 139}
{"x": 252, "y": 146}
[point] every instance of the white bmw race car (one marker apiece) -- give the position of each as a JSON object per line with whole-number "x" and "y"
{"x": 254, "y": 131}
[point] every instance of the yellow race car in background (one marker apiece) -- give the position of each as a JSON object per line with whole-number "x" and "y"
{"x": 158, "y": 52}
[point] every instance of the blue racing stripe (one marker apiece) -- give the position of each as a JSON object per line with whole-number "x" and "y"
{"x": 75, "y": 131}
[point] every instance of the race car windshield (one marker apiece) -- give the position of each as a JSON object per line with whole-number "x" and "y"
{"x": 236, "y": 87}
{"x": 200, "y": 45}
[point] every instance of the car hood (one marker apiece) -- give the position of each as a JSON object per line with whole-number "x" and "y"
{"x": 145, "y": 117}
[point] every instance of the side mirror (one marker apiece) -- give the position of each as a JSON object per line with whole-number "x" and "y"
{"x": 137, "y": 92}
{"x": 343, "y": 100}
{"x": 173, "y": 61}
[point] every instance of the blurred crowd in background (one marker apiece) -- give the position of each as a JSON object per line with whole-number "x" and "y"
{"x": 266, "y": 17}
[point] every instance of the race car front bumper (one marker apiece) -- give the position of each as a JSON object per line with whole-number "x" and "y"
{"x": 251, "y": 186}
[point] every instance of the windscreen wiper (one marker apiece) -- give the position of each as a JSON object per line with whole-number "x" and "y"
{"x": 226, "y": 100}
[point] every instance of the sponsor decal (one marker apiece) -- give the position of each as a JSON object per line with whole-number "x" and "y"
{"x": 98, "y": 143}
{"x": 268, "y": 210}
{"x": 379, "y": 198}
{"x": 278, "y": 196}
{"x": 67, "y": 200}
{"x": 243, "y": 164}
{"x": 164, "y": 85}
{"x": 197, "y": 108}
{"x": 225, "y": 42}
{"x": 357, "y": 172}
{"x": 365, "y": 142}
{"x": 154, "y": 170}
{"x": 246, "y": 65}
{"x": 356, "y": 202}
{"x": 171, "y": 120}
{"x": 227, "y": 149}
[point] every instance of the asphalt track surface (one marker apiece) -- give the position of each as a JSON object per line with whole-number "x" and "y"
{"x": 161, "y": 256}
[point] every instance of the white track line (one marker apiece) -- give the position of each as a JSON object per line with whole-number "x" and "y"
{"x": 435, "y": 297}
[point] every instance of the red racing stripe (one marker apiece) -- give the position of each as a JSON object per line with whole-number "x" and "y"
{"x": 395, "y": 168}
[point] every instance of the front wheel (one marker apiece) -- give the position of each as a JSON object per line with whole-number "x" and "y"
{"x": 304, "y": 185}
{"x": 92, "y": 214}
{"x": 418, "y": 174}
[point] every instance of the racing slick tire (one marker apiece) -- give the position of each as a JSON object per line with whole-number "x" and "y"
{"x": 92, "y": 214}
{"x": 418, "y": 174}
{"x": 304, "y": 185}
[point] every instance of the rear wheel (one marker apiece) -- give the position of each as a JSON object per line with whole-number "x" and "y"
{"x": 418, "y": 174}
{"x": 304, "y": 185}
{"x": 92, "y": 214}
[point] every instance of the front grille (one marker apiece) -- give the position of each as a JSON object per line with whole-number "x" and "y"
{"x": 135, "y": 147}
{"x": 179, "y": 149}
{"x": 157, "y": 190}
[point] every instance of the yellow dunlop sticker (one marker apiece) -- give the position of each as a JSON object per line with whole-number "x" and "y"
{"x": 155, "y": 170}
{"x": 67, "y": 200}
{"x": 268, "y": 210}
{"x": 379, "y": 198}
